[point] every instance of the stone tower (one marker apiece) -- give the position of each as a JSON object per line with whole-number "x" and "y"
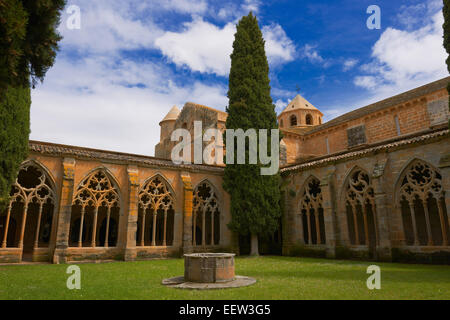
{"x": 299, "y": 113}
{"x": 162, "y": 149}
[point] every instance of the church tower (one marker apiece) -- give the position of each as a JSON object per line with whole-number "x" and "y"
{"x": 299, "y": 113}
{"x": 167, "y": 126}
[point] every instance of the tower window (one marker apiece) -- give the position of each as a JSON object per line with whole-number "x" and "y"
{"x": 293, "y": 121}
{"x": 309, "y": 120}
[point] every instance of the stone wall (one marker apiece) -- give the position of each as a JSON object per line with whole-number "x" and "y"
{"x": 67, "y": 167}
{"x": 385, "y": 166}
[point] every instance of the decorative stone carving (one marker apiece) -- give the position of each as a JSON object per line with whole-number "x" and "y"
{"x": 155, "y": 198}
{"x": 356, "y": 136}
{"x": 205, "y": 204}
{"x": 69, "y": 168}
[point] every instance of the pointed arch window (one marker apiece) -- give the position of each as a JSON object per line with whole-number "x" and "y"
{"x": 309, "y": 120}
{"x": 27, "y": 221}
{"x": 312, "y": 212}
{"x": 95, "y": 212}
{"x": 422, "y": 202}
{"x": 361, "y": 209}
{"x": 206, "y": 222}
{"x": 156, "y": 214}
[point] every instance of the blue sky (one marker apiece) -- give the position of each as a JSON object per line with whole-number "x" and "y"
{"x": 118, "y": 75}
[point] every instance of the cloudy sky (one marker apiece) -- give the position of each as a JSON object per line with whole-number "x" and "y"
{"x": 118, "y": 75}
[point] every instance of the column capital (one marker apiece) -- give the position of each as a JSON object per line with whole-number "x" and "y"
{"x": 69, "y": 168}
{"x": 187, "y": 182}
{"x": 378, "y": 170}
{"x": 133, "y": 175}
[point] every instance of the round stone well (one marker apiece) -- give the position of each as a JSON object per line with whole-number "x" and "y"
{"x": 209, "y": 271}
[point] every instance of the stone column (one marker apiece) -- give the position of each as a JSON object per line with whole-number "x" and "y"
{"x": 381, "y": 212}
{"x": 292, "y": 227}
{"x": 329, "y": 213}
{"x": 64, "y": 212}
{"x": 187, "y": 212}
{"x": 444, "y": 167}
{"x": 132, "y": 217}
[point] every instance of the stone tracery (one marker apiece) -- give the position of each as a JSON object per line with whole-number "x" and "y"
{"x": 156, "y": 199}
{"x": 361, "y": 209}
{"x": 31, "y": 197}
{"x": 95, "y": 196}
{"x": 422, "y": 205}
{"x": 312, "y": 212}
{"x": 206, "y": 219}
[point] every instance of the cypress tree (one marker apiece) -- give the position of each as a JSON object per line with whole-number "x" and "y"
{"x": 255, "y": 198}
{"x": 28, "y": 46}
{"x": 446, "y": 26}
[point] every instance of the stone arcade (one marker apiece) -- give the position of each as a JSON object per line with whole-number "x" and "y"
{"x": 373, "y": 183}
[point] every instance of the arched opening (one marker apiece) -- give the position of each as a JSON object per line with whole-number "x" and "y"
{"x": 27, "y": 221}
{"x": 206, "y": 222}
{"x": 361, "y": 210}
{"x": 156, "y": 214}
{"x": 293, "y": 120}
{"x": 309, "y": 120}
{"x": 422, "y": 205}
{"x": 311, "y": 206}
{"x": 95, "y": 204}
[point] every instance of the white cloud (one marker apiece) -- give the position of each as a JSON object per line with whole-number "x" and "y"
{"x": 107, "y": 27}
{"x": 367, "y": 82}
{"x": 184, "y": 6}
{"x": 279, "y": 47}
{"x": 280, "y": 105}
{"x": 204, "y": 47}
{"x": 97, "y": 103}
{"x": 403, "y": 60}
{"x": 251, "y": 5}
{"x": 311, "y": 53}
{"x": 201, "y": 46}
{"x": 350, "y": 64}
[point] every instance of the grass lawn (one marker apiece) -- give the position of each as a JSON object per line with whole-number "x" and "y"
{"x": 278, "y": 278}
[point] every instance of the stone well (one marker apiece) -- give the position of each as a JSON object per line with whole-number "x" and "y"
{"x": 205, "y": 271}
{"x": 209, "y": 267}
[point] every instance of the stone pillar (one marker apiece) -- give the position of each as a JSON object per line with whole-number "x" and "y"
{"x": 381, "y": 216}
{"x": 329, "y": 213}
{"x": 132, "y": 217}
{"x": 291, "y": 221}
{"x": 64, "y": 212}
{"x": 444, "y": 167}
{"x": 187, "y": 212}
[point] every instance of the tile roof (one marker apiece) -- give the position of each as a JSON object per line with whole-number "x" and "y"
{"x": 60, "y": 150}
{"x": 383, "y": 146}
{"x": 387, "y": 103}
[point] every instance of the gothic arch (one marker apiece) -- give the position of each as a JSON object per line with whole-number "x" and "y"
{"x": 420, "y": 201}
{"x": 27, "y": 222}
{"x": 156, "y": 198}
{"x": 312, "y": 213}
{"x": 96, "y": 198}
{"x": 358, "y": 200}
{"x": 206, "y": 214}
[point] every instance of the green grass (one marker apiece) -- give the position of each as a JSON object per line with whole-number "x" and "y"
{"x": 278, "y": 278}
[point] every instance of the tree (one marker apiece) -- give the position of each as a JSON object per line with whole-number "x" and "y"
{"x": 446, "y": 26}
{"x": 28, "y": 46}
{"x": 255, "y": 198}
